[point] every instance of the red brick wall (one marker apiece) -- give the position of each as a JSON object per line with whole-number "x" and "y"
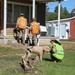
{"x": 72, "y": 28}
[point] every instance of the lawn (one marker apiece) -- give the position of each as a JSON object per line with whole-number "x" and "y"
{"x": 10, "y": 60}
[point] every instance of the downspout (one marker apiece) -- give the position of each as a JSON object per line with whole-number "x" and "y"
{"x": 33, "y": 13}
{"x": 5, "y": 16}
{"x": 59, "y": 20}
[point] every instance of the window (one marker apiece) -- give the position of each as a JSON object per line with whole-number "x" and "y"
{"x": 14, "y": 10}
{"x": 21, "y": 9}
{"x": 9, "y": 13}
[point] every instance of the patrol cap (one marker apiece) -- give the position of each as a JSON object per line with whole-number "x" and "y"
{"x": 34, "y": 19}
{"x": 21, "y": 14}
{"x": 52, "y": 39}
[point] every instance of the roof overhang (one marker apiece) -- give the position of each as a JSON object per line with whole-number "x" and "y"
{"x": 46, "y": 1}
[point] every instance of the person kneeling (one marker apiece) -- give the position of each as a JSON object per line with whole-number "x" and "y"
{"x": 57, "y": 52}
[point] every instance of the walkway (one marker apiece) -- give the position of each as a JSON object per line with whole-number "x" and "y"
{"x": 10, "y": 41}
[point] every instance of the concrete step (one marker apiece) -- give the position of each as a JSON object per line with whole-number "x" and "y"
{"x": 7, "y": 41}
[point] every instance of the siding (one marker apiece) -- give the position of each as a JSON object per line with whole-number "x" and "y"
{"x": 41, "y": 13}
{"x": 1, "y": 15}
{"x": 72, "y": 29}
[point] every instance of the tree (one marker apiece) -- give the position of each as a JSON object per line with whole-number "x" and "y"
{"x": 56, "y": 9}
{"x": 73, "y": 12}
{"x": 65, "y": 11}
{"x": 47, "y": 14}
{"x": 54, "y": 15}
{"x": 47, "y": 7}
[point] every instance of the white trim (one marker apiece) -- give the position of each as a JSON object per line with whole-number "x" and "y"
{"x": 33, "y": 9}
{"x": 66, "y": 19}
{"x": 59, "y": 19}
{"x": 5, "y": 16}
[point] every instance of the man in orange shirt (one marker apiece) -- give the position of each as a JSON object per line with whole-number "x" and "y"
{"x": 21, "y": 27}
{"x": 35, "y": 31}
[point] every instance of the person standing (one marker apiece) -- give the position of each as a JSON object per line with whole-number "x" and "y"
{"x": 35, "y": 31}
{"x": 57, "y": 52}
{"x": 21, "y": 27}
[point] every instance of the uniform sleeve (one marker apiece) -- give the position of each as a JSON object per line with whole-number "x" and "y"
{"x": 26, "y": 22}
{"x": 30, "y": 26}
{"x": 54, "y": 47}
{"x": 39, "y": 28}
{"x": 17, "y": 22}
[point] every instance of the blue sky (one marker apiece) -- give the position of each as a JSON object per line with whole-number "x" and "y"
{"x": 69, "y": 4}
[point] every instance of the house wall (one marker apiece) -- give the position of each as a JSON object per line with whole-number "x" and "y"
{"x": 72, "y": 29}
{"x": 54, "y": 29}
{"x": 40, "y": 14}
{"x": 11, "y": 26}
{"x": 40, "y": 10}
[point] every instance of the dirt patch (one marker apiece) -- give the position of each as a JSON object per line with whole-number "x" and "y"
{"x": 69, "y": 46}
{"x": 19, "y": 69}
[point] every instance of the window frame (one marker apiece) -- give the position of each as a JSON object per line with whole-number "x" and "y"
{"x": 22, "y": 4}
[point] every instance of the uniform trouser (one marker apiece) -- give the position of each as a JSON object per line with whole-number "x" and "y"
{"x": 52, "y": 57}
{"x": 21, "y": 33}
{"x": 35, "y": 39}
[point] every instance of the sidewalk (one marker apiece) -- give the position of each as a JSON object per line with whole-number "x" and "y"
{"x": 44, "y": 40}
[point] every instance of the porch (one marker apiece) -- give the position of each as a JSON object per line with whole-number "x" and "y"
{"x": 33, "y": 8}
{"x": 12, "y": 9}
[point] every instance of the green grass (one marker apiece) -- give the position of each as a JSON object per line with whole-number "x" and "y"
{"x": 10, "y": 51}
{"x": 10, "y": 64}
